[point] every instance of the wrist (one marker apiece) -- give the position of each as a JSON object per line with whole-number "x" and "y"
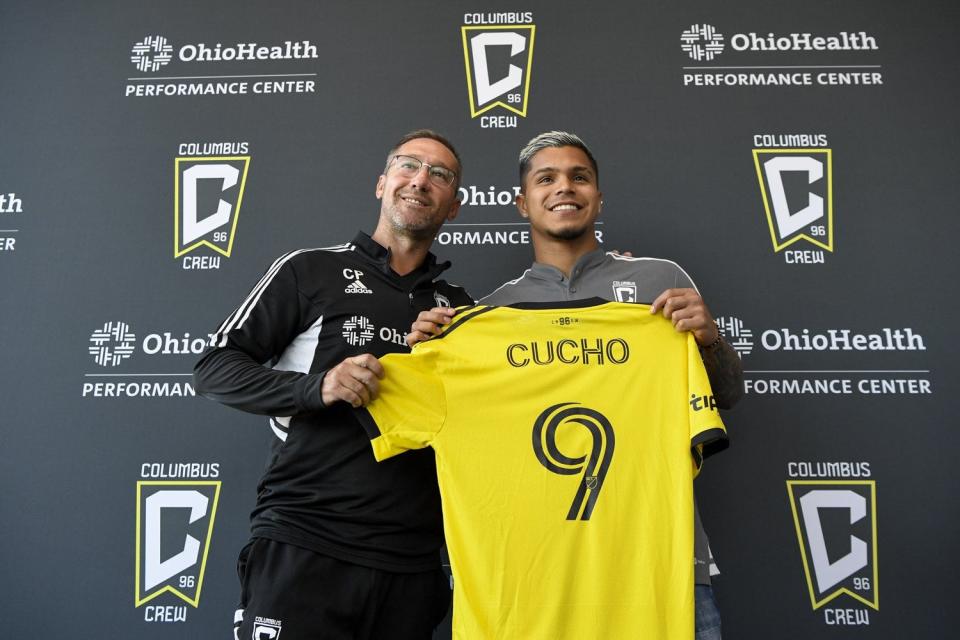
{"x": 711, "y": 346}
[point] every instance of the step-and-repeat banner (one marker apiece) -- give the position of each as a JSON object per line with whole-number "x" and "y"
{"x": 799, "y": 160}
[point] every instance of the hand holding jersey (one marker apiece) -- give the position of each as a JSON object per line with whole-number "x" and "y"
{"x": 429, "y": 324}
{"x": 688, "y": 312}
{"x": 355, "y": 381}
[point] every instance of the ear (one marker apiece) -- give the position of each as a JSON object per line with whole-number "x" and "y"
{"x": 454, "y": 210}
{"x": 600, "y": 208}
{"x": 521, "y": 202}
{"x": 379, "y": 190}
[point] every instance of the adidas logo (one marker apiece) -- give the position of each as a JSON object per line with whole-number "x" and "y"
{"x": 357, "y": 287}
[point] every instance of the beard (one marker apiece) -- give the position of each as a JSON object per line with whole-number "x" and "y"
{"x": 569, "y": 233}
{"x": 422, "y": 227}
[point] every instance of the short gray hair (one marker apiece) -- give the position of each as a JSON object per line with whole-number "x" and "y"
{"x": 552, "y": 139}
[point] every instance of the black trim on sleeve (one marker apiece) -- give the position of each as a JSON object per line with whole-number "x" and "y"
{"x": 713, "y": 440}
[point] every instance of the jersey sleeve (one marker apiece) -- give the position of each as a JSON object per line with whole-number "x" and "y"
{"x": 708, "y": 435}
{"x": 235, "y": 371}
{"x": 722, "y": 362}
{"x": 411, "y": 406}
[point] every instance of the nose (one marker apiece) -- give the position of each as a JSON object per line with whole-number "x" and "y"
{"x": 422, "y": 179}
{"x": 563, "y": 184}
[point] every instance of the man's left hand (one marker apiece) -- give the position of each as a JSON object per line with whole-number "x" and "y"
{"x": 688, "y": 312}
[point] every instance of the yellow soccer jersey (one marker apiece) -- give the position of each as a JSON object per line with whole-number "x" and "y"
{"x": 563, "y": 437}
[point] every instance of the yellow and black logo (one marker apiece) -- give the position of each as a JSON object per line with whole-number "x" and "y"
{"x": 498, "y": 60}
{"x": 174, "y": 526}
{"x": 836, "y": 522}
{"x": 797, "y": 190}
{"x": 208, "y": 193}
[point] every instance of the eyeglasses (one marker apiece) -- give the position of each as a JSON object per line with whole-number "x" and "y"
{"x": 409, "y": 167}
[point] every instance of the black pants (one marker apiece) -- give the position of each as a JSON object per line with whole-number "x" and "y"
{"x": 310, "y": 596}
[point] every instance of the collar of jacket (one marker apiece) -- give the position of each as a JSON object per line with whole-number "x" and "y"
{"x": 380, "y": 256}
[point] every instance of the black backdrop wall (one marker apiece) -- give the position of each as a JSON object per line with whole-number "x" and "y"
{"x": 798, "y": 159}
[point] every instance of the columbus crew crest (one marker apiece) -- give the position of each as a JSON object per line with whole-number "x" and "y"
{"x": 797, "y": 190}
{"x": 207, "y": 196}
{"x": 174, "y": 527}
{"x": 498, "y": 59}
{"x": 836, "y": 523}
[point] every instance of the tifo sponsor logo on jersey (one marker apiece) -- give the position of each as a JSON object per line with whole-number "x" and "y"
{"x": 591, "y": 465}
{"x": 624, "y": 291}
{"x": 883, "y": 380}
{"x": 777, "y": 59}
{"x": 498, "y": 57}
{"x": 208, "y": 192}
{"x": 797, "y": 189}
{"x": 174, "y": 528}
{"x": 355, "y": 286}
{"x": 700, "y": 403}
{"x": 358, "y": 331}
{"x": 10, "y": 209}
{"x": 115, "y": 343}
{"x": 836, "y": 524}
{"x": 155, "y": 52}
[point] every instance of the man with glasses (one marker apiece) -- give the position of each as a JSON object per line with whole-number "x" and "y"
{"x": 560, "y": 196}
{"x": 341, "y": 546}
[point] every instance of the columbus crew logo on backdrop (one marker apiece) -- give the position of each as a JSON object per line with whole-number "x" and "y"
{"x": 175, "y": 521}
{"x": 498, "y": 56}
{"x": 796, "y": 185}
{"x": 208, "y": 194}
{"x": 836, "y": 525}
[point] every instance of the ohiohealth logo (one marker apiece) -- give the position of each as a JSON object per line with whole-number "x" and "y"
{"x": 111, "y": 344}
{"x": 736, "y": 334}
{"x": 151, "y": 53}
{"x": 358, "y": 331}
{"x": 702, "y": 42}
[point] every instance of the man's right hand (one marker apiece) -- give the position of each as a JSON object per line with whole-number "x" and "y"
{"x": 429, "y": 324}
{"x": 356, "y": 381}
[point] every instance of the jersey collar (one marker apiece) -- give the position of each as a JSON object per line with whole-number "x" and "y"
{"x": 586, "y": 262}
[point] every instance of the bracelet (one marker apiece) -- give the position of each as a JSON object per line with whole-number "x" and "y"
{"x": 715, "y": 343}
